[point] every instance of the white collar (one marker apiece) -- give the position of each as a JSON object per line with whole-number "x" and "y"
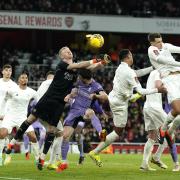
{"x": 125, "y": 64}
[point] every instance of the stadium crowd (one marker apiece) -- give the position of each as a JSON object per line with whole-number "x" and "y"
{"x": 138, "y": 8}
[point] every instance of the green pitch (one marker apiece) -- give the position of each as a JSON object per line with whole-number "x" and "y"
{"x": 115, "y": 167}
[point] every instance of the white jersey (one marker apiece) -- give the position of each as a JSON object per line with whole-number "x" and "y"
{"x": 43, "y": 87}
{"x": 154, "y": 54}
{"x": 19, "y": 101}
{"x": 124, "y": 81}
{"x": 4, "y": 87}
{"x": 153, "y": 100}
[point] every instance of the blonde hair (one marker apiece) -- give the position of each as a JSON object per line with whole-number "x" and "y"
{"x": 60, "y": 51}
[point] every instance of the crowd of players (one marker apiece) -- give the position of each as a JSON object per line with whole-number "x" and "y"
{"x": 85, "y": 99}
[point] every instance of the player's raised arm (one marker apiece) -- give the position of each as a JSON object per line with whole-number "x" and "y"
{"x": 93, "y": 64}
{"x": 144, "y": 71}
{"x": 172, "y": 48}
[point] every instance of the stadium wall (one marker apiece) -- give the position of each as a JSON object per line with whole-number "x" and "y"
{"x": 72, "y": 22}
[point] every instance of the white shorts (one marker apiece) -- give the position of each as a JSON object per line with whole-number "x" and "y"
{"x": 153, "y": 118}
{"x": 172, "y": 83}
{"x": 9, "y": 122}
{"x": 119, "y": 108}
{"x": 60, "y": 126}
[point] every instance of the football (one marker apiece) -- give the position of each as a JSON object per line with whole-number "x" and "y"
{"x": 95, "y": 40}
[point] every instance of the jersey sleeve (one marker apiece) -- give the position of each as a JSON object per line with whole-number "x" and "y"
{"x": 153, "y": 53}
{"x": 35, "y": 95}
{"x": 132, "y": 79}
{"x": 172, "y": 48}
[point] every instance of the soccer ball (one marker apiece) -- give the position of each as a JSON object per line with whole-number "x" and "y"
{"x": 95, "y": 40}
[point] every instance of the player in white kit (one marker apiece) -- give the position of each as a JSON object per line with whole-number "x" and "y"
{"x": 154, "y": 117}
{"x": 125, "y": 81}
{"x": 16, "y": 112}
{"x": 5, "y": 84}
{"x": 40, "y": 92}
{"x": 160, "y": 55}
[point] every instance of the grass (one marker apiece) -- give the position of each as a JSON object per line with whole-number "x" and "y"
{"x": 115, "y": 167}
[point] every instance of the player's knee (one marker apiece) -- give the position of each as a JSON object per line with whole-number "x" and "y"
{"x": 118, "y": 130}
{"x": 52, "y": 129}
{"x": 176, "y": 107}
{"x": 89, "y": 113}
{"x": 32, "y": 137}
{"x": 59, "y": 133}
{"x": 152, "y": 134}
{"x": 176, "y": 122}
{"x": 3, "y": 133}
{"x": 66, "y": 136}
{"x": 68, "y": 131}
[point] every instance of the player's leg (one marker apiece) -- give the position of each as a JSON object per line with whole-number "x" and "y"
{"x": 34, "y": 143}
{"x": 42, "y": 135}
{"x": 3, "y": 134}
{"x": 26, "y": 146}
{"x": 172, "y": 147}
{"x": 6, "y": 128}
{"x": 50, "y": 135}
{"x": 172, "y": 84}
{"x": 90, "y": 114}
{"x": 67, "y": 133}
{"x": 24, "y": 126}
{"x": 154, "y": 118}
{"x": 152, "y": 135}
{"x": 120, "y": 120}
{"x": 54, "y": 160}
{"x": 174, "y": 155}
{"x": 80, "y": 139}
{"x": 156, "y": 159}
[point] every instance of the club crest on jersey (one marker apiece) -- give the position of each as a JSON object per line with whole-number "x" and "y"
{"x": 68, "y": 76}
{"x": 156, "y": 52}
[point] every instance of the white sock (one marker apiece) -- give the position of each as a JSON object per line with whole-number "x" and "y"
{"x": 13, "y": 141}
{"x": 35, "y": 149}
{"x": 109, "y": 139}
{"x": 2, "y": 143}
{"x": 6, "y": 141}
{"x": 43, "y": 156}
{"x": 175, "y": 124}
{"x": 26, "y": 151}
{"x": 147, "y": 150}
{"x": 168, "y": 120}
{"x": 157, "y": 155}
{"x": 56, "y": 149}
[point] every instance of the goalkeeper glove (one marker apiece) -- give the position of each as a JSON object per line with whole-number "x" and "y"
{"x": 135, "y": 97}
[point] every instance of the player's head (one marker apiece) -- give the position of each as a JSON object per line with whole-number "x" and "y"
{"x": 155, "y": 39}
{"x": 125, "y": 55}
{"x": 85, "y": 74}
{"x": 50, "y": 75}
{"x": 66, "y": 55}
{"x": 7, "y": 71}
{"x": 23, "y": 79}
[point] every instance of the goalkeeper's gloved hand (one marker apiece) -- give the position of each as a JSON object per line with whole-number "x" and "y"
{"x": 135, "y": 97}
{"x": 103, "y": 58}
